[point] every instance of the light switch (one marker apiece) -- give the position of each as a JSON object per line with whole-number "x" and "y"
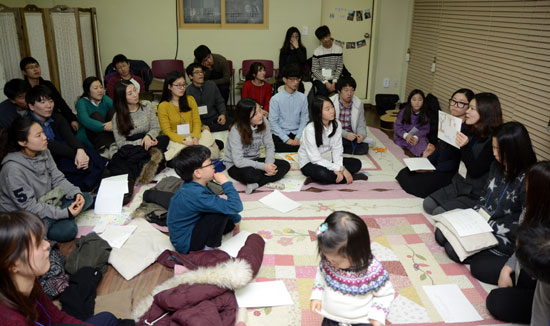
{"x": 305, "y": 30}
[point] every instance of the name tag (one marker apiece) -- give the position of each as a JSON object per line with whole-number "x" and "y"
{"x": 203, "y": 109}
{"x": 183, "y": 129}
{"x": 327, "y": 73}
{"x": 327, "y": 156}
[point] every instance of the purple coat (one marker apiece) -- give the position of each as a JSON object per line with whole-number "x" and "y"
{"x": 400, "y": 128}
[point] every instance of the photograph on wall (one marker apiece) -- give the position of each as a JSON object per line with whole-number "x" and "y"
{"x": 366, "y": 13}
{"x": 350, "y": 45}
{"x": 351, "y": 14}
{"x": 361, "y": 43}
{"x": 339, "y": 43}
{"x": 244, "y": 11}
{"x": 358, "y": 15}
{"x": 202, "y": 12}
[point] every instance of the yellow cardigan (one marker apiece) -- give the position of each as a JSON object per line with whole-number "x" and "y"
{"x": 170, "y": 117}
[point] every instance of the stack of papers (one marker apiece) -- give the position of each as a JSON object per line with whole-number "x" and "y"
{"x": 111, "y": 194}
{"x": 419, "y": 163}
{"x": 467, "y": 222}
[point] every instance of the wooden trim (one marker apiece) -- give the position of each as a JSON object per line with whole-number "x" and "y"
{"x": 80, "y": 45}
{"x": 96, "y": 43}
{"x": 51, "y": 50}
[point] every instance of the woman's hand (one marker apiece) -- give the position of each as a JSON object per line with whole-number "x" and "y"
{"x": 81, "y": 159}
{"x": 461, "y": 139}
{"x": 412, "y": 140}
{"x": 147, "y": 142}
{"x": 429, "y": 150}
{"x": 505, "y": 278}
{"x": 74, "y": 125}
{"x": 77, "y": 205}
{"x": 315, "y": 306}
{"x": 108, "y": 126}
{"x": 195, "y": 141}
{"x": 187, "y": 142}
{"x": 339, "y": 176}
{"x": 204, "y": 127}
{"x": 270, "y": 169}
{"x": 348, "y": 176}
{"x": 360, "y": 138}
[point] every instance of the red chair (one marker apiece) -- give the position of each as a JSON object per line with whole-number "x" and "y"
{"x": 269, "y": 71}
{"x": 160, "y": 68}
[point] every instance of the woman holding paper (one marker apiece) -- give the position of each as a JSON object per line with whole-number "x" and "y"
{"x": 413, "y": 124}
{"x": 484, "y": 115}
{"x": 512, "y": 301}
{"x": 445, "y": 158}
{"x": 503, "y": 200}
{"x": 31, "y": 181}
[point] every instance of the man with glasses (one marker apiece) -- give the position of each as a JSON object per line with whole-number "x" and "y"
{"x": 216, "y": 69}
{"x": 288, "y": 112}
{"x": 209, "y": 100}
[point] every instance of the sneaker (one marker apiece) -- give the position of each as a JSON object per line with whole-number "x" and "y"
{"x": 275, "y": 185}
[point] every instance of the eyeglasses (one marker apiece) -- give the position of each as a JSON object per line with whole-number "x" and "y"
{"x": 178, "y": 85}
{"x": 198, "y": 72}
{"x": 211, "y": 164}
{"x": 460, "y": 105}
{"x": 294, "y": 79}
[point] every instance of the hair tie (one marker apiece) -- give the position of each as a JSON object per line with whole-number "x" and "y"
{"x": 322, "y": 228}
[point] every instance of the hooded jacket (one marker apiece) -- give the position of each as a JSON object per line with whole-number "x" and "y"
{"x": 26, "y": 179}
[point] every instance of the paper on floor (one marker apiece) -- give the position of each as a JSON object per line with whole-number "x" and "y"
{"x": 418, "y": 163}
{"x": 117, "y": 235}
{"x": 451, "y": 304}
{"x": 235, "y": 243}
{"x": 263, "y": 294}
{"x": 280, "y": 202}
{"x": 111, "y": 219}
{"x": 111, "y": 194}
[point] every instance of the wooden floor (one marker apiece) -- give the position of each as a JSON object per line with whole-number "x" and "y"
{"x": 155, "y": 274}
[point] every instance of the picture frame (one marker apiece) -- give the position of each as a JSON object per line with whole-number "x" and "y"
{"x": 223, "y": 14}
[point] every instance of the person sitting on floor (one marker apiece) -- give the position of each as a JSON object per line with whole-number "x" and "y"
{"x": 95, "y": 112}
{"x": 484, "y": 115}
{"x": 327, "y": 63}
{"x": 80, "y": 164}
{"x": 15, "y": 105}
{"x": 197, "y": 218}
{"x": 412, "y": 125}
{"x": 350, "y": 113}
{"x": 31, "y": 70}
{"x": 209, "y": 100}
{"x": 31, "y": 181}
{"x": 503, "y": 200}
{"x": 122, "y": 67}
{"x": 216, "y": 69}
{"x": 257, "y": 88}
{"x": 24, "y": 256}
{"x": 320, "y": 155}
{"x": 288, "y": 112}
{"x": 445, "y": 158}
{"x": 247, "y": 133}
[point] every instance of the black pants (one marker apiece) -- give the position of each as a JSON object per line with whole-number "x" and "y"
{"x": 249, "y": 174}
{"x": 360, "y": 148}
{"x": 321, "y": 174}
{"x": 321, "y": 88}
{"x": 423, "y": 184}
{"x": 213, "y": 124}
{"x": 282, "y": 147}
{"x": 330, "y": 322}
{"x": 208, "y": 231}
{"x": 224, "y": 90}
{"x": 104, "y": 139}
{"x": 514, "y": 304}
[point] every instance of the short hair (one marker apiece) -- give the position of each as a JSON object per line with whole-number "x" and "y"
{"x": 254, "y": 68}
{"x": 322, "y": 31}
{"x": 348, "y": 235}
{"x": 189, "y": 159}
{"x": 514, "y": 148}
{"x": 291, "y": 70}
{"x": 38, "y": 93}
{"x": 25, "y": 61}
{"x": 118, "y": 59}
{"x": 201, "y": 52}
{"x": 191, "y": 67}
{"x": 15, "y": 87}
{"x": 345, "y": 81}
{"x": 533, "y": 250}
{"x": 466, "y": 91}
{"x": 87, "y": 83}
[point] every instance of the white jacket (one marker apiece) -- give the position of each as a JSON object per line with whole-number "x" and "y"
{"x": 358, "y": 122}
{"x": 310, "y": 153}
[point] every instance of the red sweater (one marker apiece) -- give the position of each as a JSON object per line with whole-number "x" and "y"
{"x": 116, "y": 78}
{"x": 49, "y": 315}
{"x": 262, "y": 94}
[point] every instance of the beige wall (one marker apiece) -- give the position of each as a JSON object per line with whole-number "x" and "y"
{"x": 147, "y": 30}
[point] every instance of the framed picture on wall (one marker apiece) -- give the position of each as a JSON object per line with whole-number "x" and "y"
{"x": 223, "y": 14}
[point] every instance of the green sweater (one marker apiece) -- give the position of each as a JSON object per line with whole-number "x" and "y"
{"x": 85, "y": 108}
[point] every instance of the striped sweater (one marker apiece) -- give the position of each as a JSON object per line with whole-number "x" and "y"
{"x": 327, "y": 59}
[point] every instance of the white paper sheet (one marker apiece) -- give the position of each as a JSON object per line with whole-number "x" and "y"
{"x": 467, "y": 222}
{"x": 418, "y": 163}
{"x": 111, "y": 194}
{"x": 279, "y": 202}
{"x": 263, "y": 294}
{"x": 449, "y": 125}
{"x": 235, "y": 243}
{"x": 451, "y": 304}
{"x": 116, "y": 235}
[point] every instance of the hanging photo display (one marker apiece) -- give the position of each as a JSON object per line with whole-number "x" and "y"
{"x": 351, "y": 15}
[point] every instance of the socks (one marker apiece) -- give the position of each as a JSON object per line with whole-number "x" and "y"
{"x": 360, "y": 176}
{"x": 251, "y": 187}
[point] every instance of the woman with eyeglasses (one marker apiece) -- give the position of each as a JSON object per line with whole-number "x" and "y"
{"x": 445, "y": 158}
{"x": 483, "y": 116}
{"x": 179, "y": 118}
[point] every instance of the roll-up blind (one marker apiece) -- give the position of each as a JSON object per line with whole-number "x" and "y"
{"x": 501, "y": 47}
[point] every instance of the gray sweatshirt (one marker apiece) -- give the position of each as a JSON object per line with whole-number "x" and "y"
{"x": 26, "y": 179}
{"x": 243, "y": 155}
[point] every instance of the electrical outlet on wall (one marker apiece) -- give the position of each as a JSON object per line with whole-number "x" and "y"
{"x": 386, "y": 82}
{"x": 305, "y": 30}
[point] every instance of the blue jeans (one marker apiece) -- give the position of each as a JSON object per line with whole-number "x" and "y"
{"x": 103, "y": 319}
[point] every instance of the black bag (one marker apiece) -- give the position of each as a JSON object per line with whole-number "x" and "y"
{"x": 385, "y": 102}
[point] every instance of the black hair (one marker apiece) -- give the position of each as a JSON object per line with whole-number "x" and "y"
{"x": 348, "y": 235}
{"x": 345, "y": 81}
{"x": 118, "y": 59}
{"x": 12, "y": 135}
{"x": 533, "y": 250}
{"x": 189, "y": 159}
{"x": 466, "y": 91}
{"x": 87, "y": 84}
{"x": 537, "y": 205}
{"x": 490, "y": 115}
{"x": 288, "y": 36}
{"x": 408, "y": 108}
{"x": 315, "y": 117}
{"x": 26, "y": 61}
{"x": 170, "y": 78}
{"x": 514, "y": 148}
{"x": 322, "y": 31}
{"x": 241, "y": 121}
{"x": 15, "y": 87}
{"x": 191, "y": 67}
{"x": 291, "y": 70}
{"x": 38, "y": 93}
{"x": 201, "y": 52}
{"x": 120, "y": 104}
{"x": 254, "y": 68}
